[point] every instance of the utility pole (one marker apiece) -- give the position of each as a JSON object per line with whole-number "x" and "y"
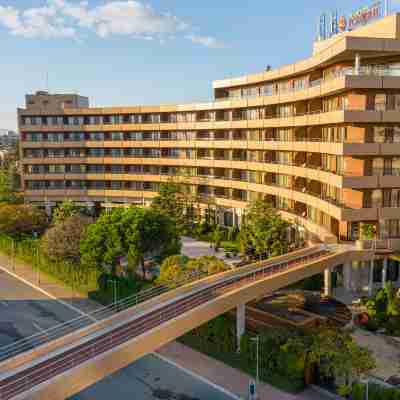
{"x": 114, "y": 282}
{"x": 253, "y": 386}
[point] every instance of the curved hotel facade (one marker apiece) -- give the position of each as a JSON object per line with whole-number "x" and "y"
{"x": 320, "y": 139}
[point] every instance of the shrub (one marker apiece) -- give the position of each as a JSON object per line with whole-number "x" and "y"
{"x": 22, "y": 219}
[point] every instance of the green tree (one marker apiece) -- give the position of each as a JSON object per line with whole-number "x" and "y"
{"x": 65, "y": 210}
{"x": 338, "y": 355}
{"x": 207, "y": 264}
{"x": 62, "y": 241}
{"x": 22, "y": 219}
{"x": 8, "y": 193}
{"x": 135, "y": 232}
{"x": 173, "y": 201}
{"x": 263, "y": 231}
{"x": 173, "y": 268}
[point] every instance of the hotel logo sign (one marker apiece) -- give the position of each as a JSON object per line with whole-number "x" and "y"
{"x": 331, "y": 24}
{"x": 364, "y": 15}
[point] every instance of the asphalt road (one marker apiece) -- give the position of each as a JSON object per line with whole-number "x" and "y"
{"x": 151, "y": 378}
{"x": 25, "y": 311}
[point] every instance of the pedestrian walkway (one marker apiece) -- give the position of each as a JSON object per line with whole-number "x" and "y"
{"x": 222, "y": 375}
{"x": 47, "y": 284}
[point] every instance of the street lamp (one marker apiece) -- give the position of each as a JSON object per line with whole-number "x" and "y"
{"x": 37, "y": 266}
{"x": 366, "y": 382}
{"x": 253, "y": 391}
{"x": 114, "y": 282}
{"x": 13, "y": 254}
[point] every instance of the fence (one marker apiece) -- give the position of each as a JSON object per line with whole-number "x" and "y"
{"x": 28, "y": 251}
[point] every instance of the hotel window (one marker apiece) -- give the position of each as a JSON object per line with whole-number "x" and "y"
{"x": 96, "y": 136}
{"x": 392, "y": 228}
{"x": 117, "y": 136}
{"x": 75, "y": 153}
{"x": 393, "y": 270}
{"x": 285, "y": 110}
{"x": 76, "y": 184}
{"x": 96, "y": 152}
{"x": 386, "y": 197}
{"x": 55, "y": 185}
{"x": 116, "y": 152}
{"x": 95, "y": 169}
{"x": 95, "y": 120}
{"x": 117, "y": 169}
{"x": 116, "y": 185}
{"x": 52, "y": 153}
{"x": 55, "y": 137}
{"x": 76, "y": 136}
{"x": 56, "y": 169}
{"x": 135, "y": 136}
{"x": 36, "y": 185}
{"x": 126, "y": 119}
{"x": 97, "y": 185}
{"x": 76, "y": 168}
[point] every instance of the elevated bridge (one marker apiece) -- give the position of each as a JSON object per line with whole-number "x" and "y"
{"x": 59, "y": 365}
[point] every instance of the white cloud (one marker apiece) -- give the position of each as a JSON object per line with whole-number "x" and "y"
{"x": 35, "y": 22}
{"x": 207, "y": 41}
{"x": 64, "y": 18}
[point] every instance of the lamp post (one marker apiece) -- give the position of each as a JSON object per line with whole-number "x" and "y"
{"x": 114, "y": 282}
{"x": 366, "y": 382}
{"x": 37, "y": 266}
{"x": 254, "y": 390}
{"x": 13, "y": 255}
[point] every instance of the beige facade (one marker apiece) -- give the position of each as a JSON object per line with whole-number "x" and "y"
{"x": 320, "y": 139}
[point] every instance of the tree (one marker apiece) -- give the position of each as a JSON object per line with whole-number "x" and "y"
{"x": 218, "y": 237}
{"x": 22, "y": 219}
{"x": 62, "y": 241}
{"x": 8, "y": 193}
{"x": 263, "y": 231}
{"x": 135, "y": 232}
{"x": 207, "y": 264}
{"x": 173, "y": 201}
{"x": 65, "y": 210}
{"x": 338, "y": 355}
{"x": 173, "y": 268}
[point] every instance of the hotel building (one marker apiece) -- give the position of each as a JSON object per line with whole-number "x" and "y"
{"x": 319, "y": 139}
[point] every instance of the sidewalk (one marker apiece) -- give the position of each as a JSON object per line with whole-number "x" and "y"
{"x": 224, "y": 376}
{"x": 47, "y": 284}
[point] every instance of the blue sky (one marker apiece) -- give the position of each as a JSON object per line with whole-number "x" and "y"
{"x": 128, "y": 52}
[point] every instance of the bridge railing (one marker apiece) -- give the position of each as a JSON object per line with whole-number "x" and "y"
{"x": 19, "y": 382}
{"x": 97, "y": 315}
{"x": 100, "y": 314}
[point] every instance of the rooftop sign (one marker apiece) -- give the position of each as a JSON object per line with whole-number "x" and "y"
{"x": 331, "y": 24}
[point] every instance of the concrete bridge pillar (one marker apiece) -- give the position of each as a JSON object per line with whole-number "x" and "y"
{"x": 347, "y": 268}
{"x": 240, "y": 323}
{"x": 327, "y": 282}
{"x": 371, "y": 278}
{"x": 384, "y": 271}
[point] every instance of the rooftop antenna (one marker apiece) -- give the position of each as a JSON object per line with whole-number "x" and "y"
{"x": 47, "y": 81}
{"x": 387, "y": 8}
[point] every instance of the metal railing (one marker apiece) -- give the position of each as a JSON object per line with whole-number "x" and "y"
{"x": 98, "y": 315}
{"x": 23, "y": 380}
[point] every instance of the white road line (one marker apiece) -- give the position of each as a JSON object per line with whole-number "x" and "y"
{"x": 198, "y": 377}
{"x": 70, "y": 306}
{"x": 38, "y": 327}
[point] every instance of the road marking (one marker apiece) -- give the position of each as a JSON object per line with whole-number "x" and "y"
{"x": 198, "y": 377}
{"x": 38, "y": 327}
{"x": 70, "y": 306}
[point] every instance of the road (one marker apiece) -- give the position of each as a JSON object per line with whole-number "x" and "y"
{"x": 151, "y": 378}
{"x": 25, "y": 311}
